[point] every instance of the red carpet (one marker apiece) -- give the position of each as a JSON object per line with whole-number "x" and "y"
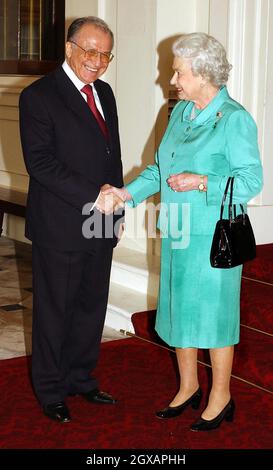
{"x": 262, "y": 266}
{"x": 257, "y": 305}
{"x": 143, "y": 377}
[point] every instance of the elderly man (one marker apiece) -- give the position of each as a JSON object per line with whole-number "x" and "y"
{"x": 70, "y": 141}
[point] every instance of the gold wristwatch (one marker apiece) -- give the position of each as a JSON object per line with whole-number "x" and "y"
{"x": 202, "y": 186}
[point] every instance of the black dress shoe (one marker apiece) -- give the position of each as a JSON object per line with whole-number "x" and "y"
{"x": 57, "y": 411}
{"x": 97, "y": 396}
{"x": 173, "y": 411}
{"x": 207, "y": 425}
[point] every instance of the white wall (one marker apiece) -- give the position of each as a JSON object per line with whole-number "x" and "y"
{"x": 139, "y": 74}
{"x": 77, "y": 8}
{"x": 135, "y": 92}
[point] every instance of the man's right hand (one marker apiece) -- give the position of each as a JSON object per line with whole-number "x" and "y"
{"x": 108, "y": 203}
{"x": 122, "y": 193}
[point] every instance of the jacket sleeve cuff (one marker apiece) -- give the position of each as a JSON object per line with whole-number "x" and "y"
{"x": 215, "y": 189}
{"x": 140, "y": 192}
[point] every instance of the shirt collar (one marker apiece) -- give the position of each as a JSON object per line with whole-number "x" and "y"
{"x": 209, "y": 113}
{"x": 73, "y": 77}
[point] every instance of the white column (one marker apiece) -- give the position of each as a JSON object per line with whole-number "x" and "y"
{"x": 249, "y": 46}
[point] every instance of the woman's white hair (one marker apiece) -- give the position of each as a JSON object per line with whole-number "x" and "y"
{"x": 207, "y": 57}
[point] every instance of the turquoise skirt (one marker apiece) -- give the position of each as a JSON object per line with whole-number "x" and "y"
{"x": 198, "y": 306}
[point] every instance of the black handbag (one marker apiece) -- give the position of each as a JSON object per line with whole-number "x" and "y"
{"x": 233, "y": 240}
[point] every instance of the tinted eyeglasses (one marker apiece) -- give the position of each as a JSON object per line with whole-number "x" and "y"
{"x": 90, "y": 54}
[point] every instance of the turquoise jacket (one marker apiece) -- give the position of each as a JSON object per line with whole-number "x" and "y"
{"x": 220, "y": 142}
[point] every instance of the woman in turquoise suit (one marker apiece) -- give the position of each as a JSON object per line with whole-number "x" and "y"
{"x": 209, "y": 138}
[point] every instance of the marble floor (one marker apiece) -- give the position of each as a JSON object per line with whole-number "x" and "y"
{"x": 16, "y": 300}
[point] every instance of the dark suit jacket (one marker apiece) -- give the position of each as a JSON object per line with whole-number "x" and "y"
{"x": 67, "y": 158}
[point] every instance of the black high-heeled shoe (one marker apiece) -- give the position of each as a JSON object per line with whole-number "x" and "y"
{"x": 207, "y": 425}
{"x": 173, "y": 411}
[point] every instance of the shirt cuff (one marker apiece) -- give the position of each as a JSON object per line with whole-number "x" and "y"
{"x": 92, "y": 208}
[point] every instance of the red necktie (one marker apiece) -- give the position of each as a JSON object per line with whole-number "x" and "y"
{"x": 88, "y": 90}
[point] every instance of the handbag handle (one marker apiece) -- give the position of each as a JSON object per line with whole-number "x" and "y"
{"x": 231, "y": 206}
{"x": 224, "y": 198}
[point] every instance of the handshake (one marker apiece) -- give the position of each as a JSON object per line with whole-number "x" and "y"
{"x": 111, "y": 199}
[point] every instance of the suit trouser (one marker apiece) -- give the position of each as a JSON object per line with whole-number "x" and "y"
{"x": 70, "y": 293}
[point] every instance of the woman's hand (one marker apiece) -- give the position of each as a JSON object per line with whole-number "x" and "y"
{"x": 121, "y": 193}
{"x": 185, "y": 181}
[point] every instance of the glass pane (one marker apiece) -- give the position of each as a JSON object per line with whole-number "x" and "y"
{"x": 30, "y": 36}
{"x": 9, "y": 29}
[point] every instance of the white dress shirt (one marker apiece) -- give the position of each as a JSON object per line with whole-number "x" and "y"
{"x": 79, "y": 85}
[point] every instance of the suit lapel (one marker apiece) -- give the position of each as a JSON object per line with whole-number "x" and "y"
{"x": 73, "y": 99}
